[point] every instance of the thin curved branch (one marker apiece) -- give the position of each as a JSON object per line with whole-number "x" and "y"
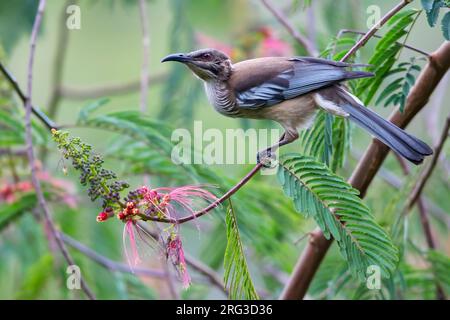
{"x": 146, "y": 54}
{"x": 30, "y": 153}
{"x": 375, "y": 28}
{"x": 108, "y": 263}
{"x": 342, "y": 31}
{"x": 34, "y": 109}
{"x": 95, "y": 92}
{"x": 417, "y": 190}
{"x": 213, "y": 205}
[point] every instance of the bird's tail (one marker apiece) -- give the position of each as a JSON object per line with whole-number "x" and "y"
{"x": 406, "y": 145}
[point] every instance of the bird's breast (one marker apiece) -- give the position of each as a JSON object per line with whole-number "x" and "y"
{"x": 221, "y": 98}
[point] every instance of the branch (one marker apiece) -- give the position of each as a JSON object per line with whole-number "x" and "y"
{"x": 146, "y": 53}
{"x": 423, "y": 212}
{"x": 30, "y": 153}
{"x": 375, "y": 28}
{"x": 367, "y": 168}
{"x": 342, "y": 31}
{"x": 108, "y": 263}
{"x": 41, "y": 115}
{"x": 201, "y": 268}
{"x": 303, "y": 41}
{"x": 417, "y": 190}
{"x": 213, "y": 205}
{"x": 74, "y": 93}
{"x": 61, "y": 49}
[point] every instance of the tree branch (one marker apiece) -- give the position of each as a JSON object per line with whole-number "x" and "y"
{"x": 108, "y": 263}
{"x": 146, "y": 53}
{"x": 34, "y": 109}
{"x": 303, "y": 41}
{"x": 367, "y": 168}
{"x": 417, "y": 190}
{"x": 213, "y": 205}
{"x": 342, "y": 31}
{"x": 74, "y": 93}
{"x": 30, "y": 153}
{"x": 375, "y": 28}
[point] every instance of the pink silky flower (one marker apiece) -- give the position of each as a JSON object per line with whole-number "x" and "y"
{"x": 173, "y": 203}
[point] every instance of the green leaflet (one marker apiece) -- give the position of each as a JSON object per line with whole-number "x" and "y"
{"x": 334, "y": 204}
{"x": 327, "y": 140}
{"x": 385, "y": 55}
{"x": 445, "y": 24}
{"x": 398, "y": 90}
{"x": 236, "y": 276}
{"x": 440, "y": 264}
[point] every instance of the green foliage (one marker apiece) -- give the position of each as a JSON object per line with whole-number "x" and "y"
{"x": 327, "y": 140}
{"x": 339, "y": 212}
{"x": 36, "y": 277}
{"x": 397, "y": 91}
{"x": 432, "y": 9}
{"x": 236, "y": 276}
{"x": 440, "y": 264}
{"x": 386, "y": 54}
{"x": 12, "y": 211}
{"x": 446, "y": 26}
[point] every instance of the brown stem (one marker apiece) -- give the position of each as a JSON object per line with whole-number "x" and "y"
{"x": 30, "y": 153}
{"x": 368, "y": 166}
{"x": 213, "y": 205}
{"x": 303, "y": 41}
{"x": 146, "y": 53}
{"x": 424, "y": 216}
{"x": 417, "y": 190}
{"x": 95, "y": 92}
{"x": 108, "y": 263}
{"x": 34, "y": 109}
{"x": 342, "y": 31}
{"x": 58, "y": 68}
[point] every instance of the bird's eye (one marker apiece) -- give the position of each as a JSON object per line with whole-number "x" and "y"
{"x": 207, "y": 56}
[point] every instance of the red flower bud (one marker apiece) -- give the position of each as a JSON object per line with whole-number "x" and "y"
{"x": 102, "y": 216}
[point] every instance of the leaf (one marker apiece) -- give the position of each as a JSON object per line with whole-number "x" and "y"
{"x": 427, "y": 4}
{"x": 339, "y": 212}
{"x": 236, "y": 276}
{"x": 385, "y": 55}
{"x": 440, "y": 265}
{"x": 445, "y": 24}
{"x": 433, "y": 13}
{"x": 36, "y": 277}
{"x": 86, "y": 111}
{"x": 10, "y": 212}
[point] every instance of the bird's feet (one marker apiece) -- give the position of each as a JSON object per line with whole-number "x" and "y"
{"x": 267, "y": 158}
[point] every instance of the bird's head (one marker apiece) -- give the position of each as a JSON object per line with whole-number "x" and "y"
{"x": 207, "y": 64}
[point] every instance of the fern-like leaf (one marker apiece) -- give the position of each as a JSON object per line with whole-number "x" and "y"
{"x": 339, "y": 212}
{"x": 236, "y": 277}
{"x": 398, "y": 90}
{"x": 385, "y": 55}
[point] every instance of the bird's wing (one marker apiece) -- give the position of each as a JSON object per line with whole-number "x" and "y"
{"x": 270, "y": 81}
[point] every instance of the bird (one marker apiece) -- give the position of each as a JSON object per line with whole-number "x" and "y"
{"x": 290, "y": 91}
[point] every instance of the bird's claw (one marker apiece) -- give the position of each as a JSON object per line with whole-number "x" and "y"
{"x": 266, "y": 158}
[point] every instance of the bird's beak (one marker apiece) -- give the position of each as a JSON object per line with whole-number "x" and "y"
{"x": 180, "y": 57}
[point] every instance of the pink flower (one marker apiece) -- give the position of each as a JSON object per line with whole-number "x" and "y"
{"x": 175, "y": 253}
{"x": 171, "y": 203}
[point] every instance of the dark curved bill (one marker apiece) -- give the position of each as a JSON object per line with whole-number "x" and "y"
{"x": 180, "y": 57}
